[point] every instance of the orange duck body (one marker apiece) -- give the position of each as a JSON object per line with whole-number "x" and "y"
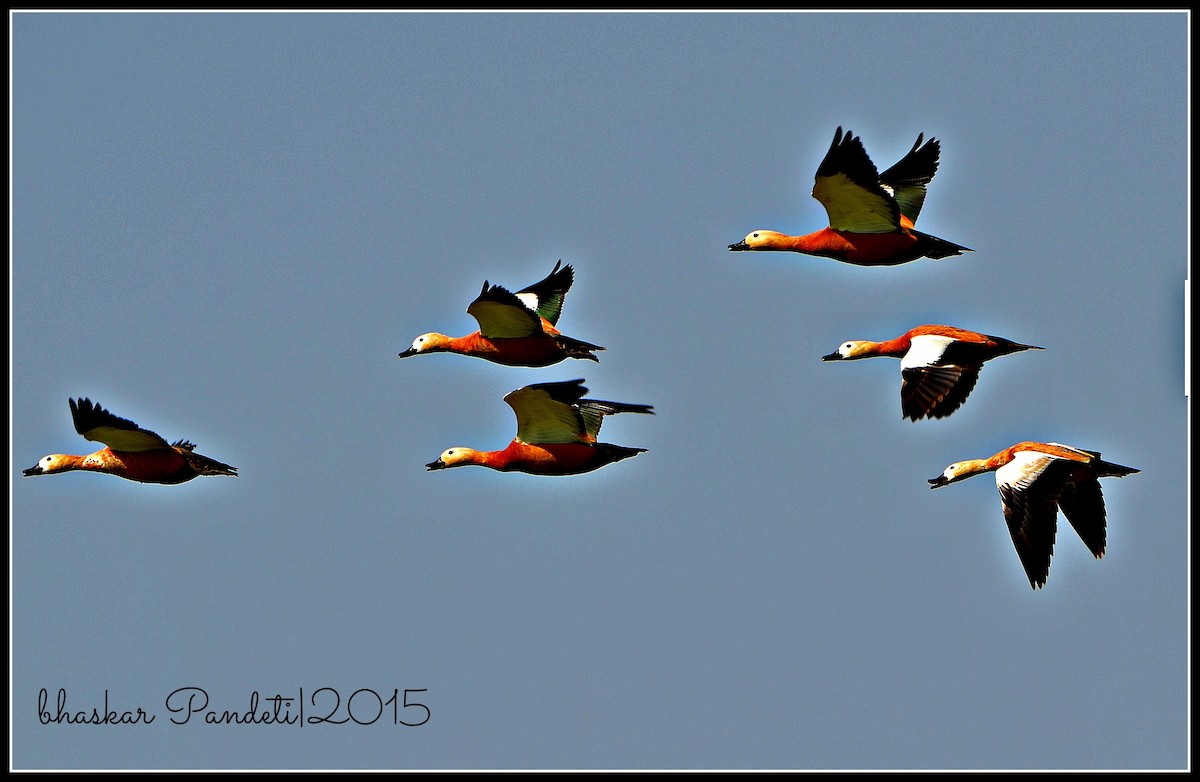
{"x": 556, "y": 434}
{"x": 515, "y": 329}
{"x": 939, "y": 365}
{"x": 871, "y": 215}
{"x": 131, "y": 452}
{"x": 1035, "y": 480}
{"x": 548, "y": 458}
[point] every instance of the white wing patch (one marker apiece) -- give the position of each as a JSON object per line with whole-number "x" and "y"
{"x": 926, "y": 351}
{"x": 1024, "y": 469}
{"x": 530, "y": 300}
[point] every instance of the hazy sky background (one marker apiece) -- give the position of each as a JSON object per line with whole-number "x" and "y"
{"x": 226, "y": 226}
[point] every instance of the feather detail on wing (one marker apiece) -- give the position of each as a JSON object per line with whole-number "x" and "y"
{"x": 501, "y": 315}
{"x": 120, "y": 434}
{"x": 558, "y": 413}
{"x": 1030, "y": 486}
{"x": 1082, "y": 503}
{"x": 592, "y": 411}
{"x": 847, "y": 185}
{"x": 547, "y": 296}
{"x": 909, "y": 178}
{"x": 548, "y": 412}
{"x": 935, "y": 391}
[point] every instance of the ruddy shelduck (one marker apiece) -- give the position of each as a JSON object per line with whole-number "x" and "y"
{"x": 515, "y": 329}
{"x": 1035, "y": 480}
{"x": 871, "y": 215}
{"x": 130, "y": 451}
{"x": 556, "y": 433}
{"x": 939, "y": 365}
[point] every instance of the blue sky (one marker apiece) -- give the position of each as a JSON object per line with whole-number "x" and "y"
{"x": 226, "y": 226}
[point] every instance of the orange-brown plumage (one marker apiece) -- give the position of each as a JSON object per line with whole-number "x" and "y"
{"x": 549, "y": 458}
{"x": 939, "y": 365}
{"x": 557, "y": 433}
{"x": 131, "y": 452}
{"x": 1035, "y": 481}
{"x": 871, "y": 215}
{"x": 515, "y": 329}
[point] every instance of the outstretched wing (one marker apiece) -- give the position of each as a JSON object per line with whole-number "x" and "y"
{"x": 558, "y": 413}
{"x": 935, "y": 391}
{"x": 1030, "y": 486}
{"x": 546, "y": 297}
{"x": 501, "y": 315}
{"x": 120, "y": 434}
{"x": 847, "y": 185}
{"x": 932, "y": 384}
{"x": 593, "y": 411}
{"x": 549, "y": 412}
{"x": 1082, "y": 503}
{"x": 909, "y": 178}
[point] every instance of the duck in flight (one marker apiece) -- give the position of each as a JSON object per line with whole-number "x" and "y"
{"x": 871, "y": 215}
{"x": 130, "y": 451}
{"x": 1035, "y": 480}
{"x": 556, "y": 433}
{"x": 516, "y": 329}
{"x": 939, "y": 365}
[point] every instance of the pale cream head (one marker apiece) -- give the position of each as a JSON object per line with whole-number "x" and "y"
{"x": 427, "y": 343}
{"x": 762, "y": 238}
{"x": 855, "y": 348}
{"x": 454, "y": 457}
{"x": 958, "y": 471}
{"x": 52, "y": 463}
